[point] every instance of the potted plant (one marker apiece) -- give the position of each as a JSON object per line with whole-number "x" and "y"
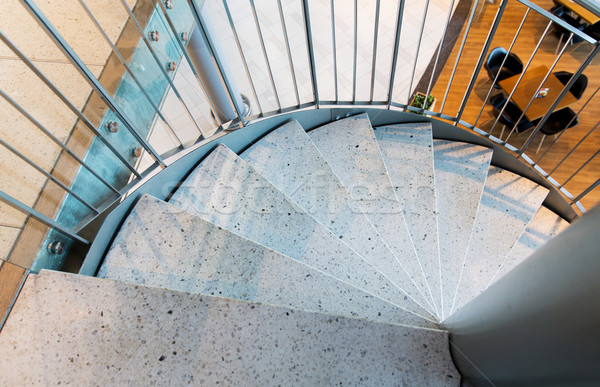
{"x": 419, "y": 101}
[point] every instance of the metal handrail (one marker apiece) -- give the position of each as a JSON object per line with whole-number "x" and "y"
{"x": 309, "y": 41}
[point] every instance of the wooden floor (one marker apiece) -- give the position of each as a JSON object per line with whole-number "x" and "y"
{"x": 10, "y": 280}
{"x": 532, "y": 30}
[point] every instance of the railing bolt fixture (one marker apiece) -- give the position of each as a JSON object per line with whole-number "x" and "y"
{"x": 56, "y": 247}
{"x": 171, "y": 66}
{"x": 112, "y": 126}
{"x": 168, "y": 4}
{"x": 184, "y": 36}
{"x": 154, "y": 36}
{"x": 136, "y": 152}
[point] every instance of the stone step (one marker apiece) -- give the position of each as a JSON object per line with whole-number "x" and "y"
{"x": 162, "y": 246}
{"x": 544, "y": 226}
{"x": 350, "y": 148}
{"x": 290, "y": 161}
{"x": 85, "y": 330}
{"x": 507, "y": 205}
{"x": 407, "y": 151}
{"x": 460, "y": 173}
{"x": 226, "y": 191}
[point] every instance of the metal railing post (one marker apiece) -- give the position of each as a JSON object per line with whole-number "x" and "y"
{"x": 265, "y": 55}
{"x": 160, "y": 64}
{"x": 48, "y": 175}
{"x": 439, "y": 49}
{"x": 56, "y": 140}
{"x": 128, "y": 69}
{"x": 512, "y": 92}
{"x": 213, "y": 109}
{"x": 310, "y": 51}
{"x": 585, "y": 192}
{"x": 481, "y": 60}
{"x": 355, "y": 49}
{"x": 289, "y": 51}
{"x": 4, "y": 197}
{"x": 375, "y": 38}
{"x": 412, "y": 75}
{"x": 564, "y": 91}
{"x": 562, "y": 132}
{"x": 241, "y": 51}
{"x": 89, "y": 77}
{"x": 395, "y": 54}
{"x": 512, "y": 44}
{"x": 223, "y": 75}
{"x": 522, "y": 115}
{"x": 334, "y": 51}
{"x": 68, "y": 103}
{"x": 460, "y": 50}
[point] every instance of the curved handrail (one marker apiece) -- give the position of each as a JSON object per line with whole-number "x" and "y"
{"x": 165, "y": 162}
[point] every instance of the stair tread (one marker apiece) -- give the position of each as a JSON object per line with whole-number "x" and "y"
{"x": 161, "y": 245}
{"x": 407, "y": 151}
{"x": 350, "y": 148}
{"x": 110, "y": 333}
{"x": 544, "y": 226}
{"x": 290, "y": 161}
{"x": 507, "y": 205}
{"x": 226, "y": 191}
{"x": 460, "y": 173}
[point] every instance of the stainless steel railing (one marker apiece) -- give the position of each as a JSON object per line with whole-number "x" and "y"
{"x": 297, "y": 44}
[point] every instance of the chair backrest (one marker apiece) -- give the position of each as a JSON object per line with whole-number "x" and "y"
{"x": 578, "y": 87}
{"x": 495, "y": 58}
{"x": 497, "y": 100}
{"x": 563, "y": 76}
{"x": 593, "y": 30}
{"x": 514, "y": 63}
{"x": 511, "y": 112}
{"x": 558, "y": 9}
{"x": 560, "y": 120}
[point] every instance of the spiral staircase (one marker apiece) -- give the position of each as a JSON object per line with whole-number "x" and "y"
{"x": 332, "y": 256}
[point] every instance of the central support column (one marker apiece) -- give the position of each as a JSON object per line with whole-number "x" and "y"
{"x": 208, "y": 73}
{"x": 540, "y": 324}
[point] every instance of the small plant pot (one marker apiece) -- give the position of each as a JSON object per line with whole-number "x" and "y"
{"x": 418, "y": 100}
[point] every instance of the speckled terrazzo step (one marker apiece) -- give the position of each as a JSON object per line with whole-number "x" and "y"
{"x": 226, "y": 191}
{"x": 460, "y": 173}
{"x": 407, "y": 151}
{"x": 160, "y": 245}
{"x": 507, "y": 205}
{"x": 290, "y": 161}
{"x": 544, "y": 226}
{"x": 85, "y": 330}
{"x": 350, "y": 148}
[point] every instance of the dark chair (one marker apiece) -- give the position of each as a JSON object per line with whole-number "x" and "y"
{"x": 558, "y": 9}
{"x": 578, "y": 87}
{"x": 510, "y": 115}
{"x": 557, "y": 122}
{"x": 512, "y": 65}
{"x": 562, "y": 32}
{"x": 593, "y": 30}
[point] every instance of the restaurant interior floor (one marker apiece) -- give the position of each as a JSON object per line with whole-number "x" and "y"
{"x": 574, "y": 55}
